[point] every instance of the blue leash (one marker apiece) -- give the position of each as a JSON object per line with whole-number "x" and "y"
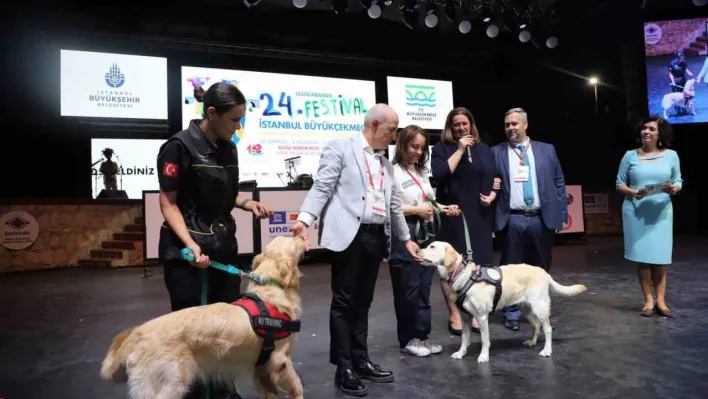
{"x": 188, "y": 254}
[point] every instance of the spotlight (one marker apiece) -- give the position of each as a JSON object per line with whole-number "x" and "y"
{"x": 465, "y": 27}
{"x": 492, "y": 31}
{"x": 375, "y": 11}
{"x": 300, "y": 3}
{"x": 431, "y": 20}
{"x": 372, "y": 8}
{"x": 552, "y": 42}
{"x": 593, "y": 81}
{"x": 700, "y": 3}
{"x": 524, "y": 36}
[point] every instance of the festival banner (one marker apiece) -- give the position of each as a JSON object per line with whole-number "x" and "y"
{"x": 287, "y": 116}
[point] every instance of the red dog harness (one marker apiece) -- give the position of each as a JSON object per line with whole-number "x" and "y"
{"x": 268, "y": 322}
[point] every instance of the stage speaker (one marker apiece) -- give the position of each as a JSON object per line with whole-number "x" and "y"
{"x": 112, "y": 194}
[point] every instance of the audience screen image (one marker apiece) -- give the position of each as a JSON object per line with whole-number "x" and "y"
{"x": 421, "y": 102}
{"x": 135, "y": 163}
{"x": 392, "y": 152}
{"x": 676, "y": 53}
{"x": 103, "y": 85}
{"x": 287, "y": 116}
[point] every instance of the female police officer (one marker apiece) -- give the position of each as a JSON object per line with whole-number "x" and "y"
{"x": 199, "y": 176}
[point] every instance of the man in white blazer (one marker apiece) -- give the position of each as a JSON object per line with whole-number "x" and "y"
{"x": 358, "y": 203}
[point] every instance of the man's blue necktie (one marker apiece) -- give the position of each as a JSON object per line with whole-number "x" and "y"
{"x": 528, "y": 184}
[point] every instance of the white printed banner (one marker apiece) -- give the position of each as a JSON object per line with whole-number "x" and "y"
{"x": 113, "y": 85}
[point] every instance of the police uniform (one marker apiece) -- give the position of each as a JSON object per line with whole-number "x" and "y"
{"x": 678, "y": 70}
{"x": 206, "y": 178}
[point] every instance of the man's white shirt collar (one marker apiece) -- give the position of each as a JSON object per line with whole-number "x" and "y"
{"x": 367, "y": 148}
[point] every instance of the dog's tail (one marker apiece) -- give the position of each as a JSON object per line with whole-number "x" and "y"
{"x": 113, "y": 366}
{"x": 566, "y": 290}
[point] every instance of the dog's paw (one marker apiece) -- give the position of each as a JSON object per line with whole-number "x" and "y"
{"x": 483, "y": 358}
{"x": 458, "y": 354}
{"x": 529, "y": 343}
{"x": 545, "y": 353}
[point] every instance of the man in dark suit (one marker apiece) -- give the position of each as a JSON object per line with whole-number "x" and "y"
{"x": 531, "y": 204}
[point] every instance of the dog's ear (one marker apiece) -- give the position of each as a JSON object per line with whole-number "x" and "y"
{"x": 289, "y": 274}
{"x": 450, "y": 256}
{"x": 257, "y": 261}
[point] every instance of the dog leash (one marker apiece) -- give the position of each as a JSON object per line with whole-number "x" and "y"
{"x": 422, "y": 234}
{"x": 188, "y": 255}
{"x": 422, "y": 226}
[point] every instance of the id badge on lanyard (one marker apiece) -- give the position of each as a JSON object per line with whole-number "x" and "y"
{"x": 417, "y": 182}
{"x": 378, "y": 203}
{"x": 522, "y": 170}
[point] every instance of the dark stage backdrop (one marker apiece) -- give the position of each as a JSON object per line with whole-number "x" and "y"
{"x": 49, "y": 156}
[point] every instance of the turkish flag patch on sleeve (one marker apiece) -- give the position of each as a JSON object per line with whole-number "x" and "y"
{"x": 170, "y": 169}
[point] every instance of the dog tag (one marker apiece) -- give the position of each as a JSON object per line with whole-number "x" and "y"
{"x": 522, "y": 173}
{"x": 378, "y": 206}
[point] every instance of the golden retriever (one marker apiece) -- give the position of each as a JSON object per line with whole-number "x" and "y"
{"x": 161, "y": 358}
{"x": 678, "y": 99}
{"x": 521, "y": 284}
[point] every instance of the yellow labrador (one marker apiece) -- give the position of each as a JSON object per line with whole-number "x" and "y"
{"x": 683, "y": 98}
{"x": 161, "y": 358}
{"x": 521, "y": 284}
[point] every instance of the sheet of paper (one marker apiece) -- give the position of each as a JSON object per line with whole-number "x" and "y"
{"x": 652, "y": 189}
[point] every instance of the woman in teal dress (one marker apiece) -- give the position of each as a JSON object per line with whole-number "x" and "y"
{"x": 648, "y": 216}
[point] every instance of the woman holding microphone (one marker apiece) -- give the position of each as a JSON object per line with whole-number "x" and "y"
{"x": 464, "y": 169}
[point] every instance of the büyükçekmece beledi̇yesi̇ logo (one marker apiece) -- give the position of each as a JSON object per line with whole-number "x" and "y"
{"x": 420, "y": 96}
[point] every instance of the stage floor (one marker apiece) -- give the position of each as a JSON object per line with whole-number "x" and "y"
{"x": 56, "y": 327}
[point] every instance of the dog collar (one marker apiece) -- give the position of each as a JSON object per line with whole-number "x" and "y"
{"x": 455, "y": 272}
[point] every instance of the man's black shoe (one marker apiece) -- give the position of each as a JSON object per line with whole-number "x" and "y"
{"x": 372, "y": 372}
{"x": 349, "y": 383}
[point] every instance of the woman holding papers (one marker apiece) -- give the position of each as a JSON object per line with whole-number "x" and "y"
{"x": 648, "y": 176}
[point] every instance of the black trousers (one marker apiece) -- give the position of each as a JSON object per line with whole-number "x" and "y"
{"x": 354, "y": 273}
{"x": 184, "y": 284}
{"x": 525, "y": 239}
{"x": 411, "y": 299}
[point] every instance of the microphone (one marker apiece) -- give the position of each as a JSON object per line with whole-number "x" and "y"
{"x": 281, "y": 179}
{"x": 469, "y": 154}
